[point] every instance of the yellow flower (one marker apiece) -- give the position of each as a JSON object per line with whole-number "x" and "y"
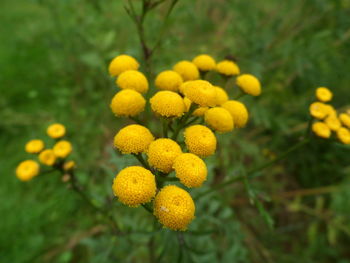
{"x": 323, "y": 94}
{"x": 343, "y": 135}
{"x": 162, "y": 153}
{"x": 26, "y": 170}
{"x": 133, "y": 139}
{"x": 321, "y": 129}
{"x": 56, "y": 131}
{"x": 200, "y": 111}
{"x": 167, "y": 104}
{"x": 249, "y": 84}
{"x": 174, "y": 208}
{"x": 200, "y": 140}
{"x": 204, "y": 62}
{"x": 122, "y": 63}
{"x": 190, "y": 169}
{"x": 200, "y": 92}
{"x": 187, "y": 70}
{"x": 34, "y": 146}
{"x": 221, "y": 96}
{"x": 333, "y": 122}
{"x": 68, "y": 165}
{"x": 168, "y": 80}
{"x": 134, "y": 186}
{"x": 345, "y": 119}
{"x": 132, "y": 79}
{"x": 127, "y": 103}
{"x": 219, "y": 119}
{"x": 238, "y": 112}
{"x": 227, "y": 68}
{"x": 319, "y": 110}
{"x": 47, "y": 157}
{"x": 62, "y": 149}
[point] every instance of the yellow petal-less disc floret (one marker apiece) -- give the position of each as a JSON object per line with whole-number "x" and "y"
{"x": 187, "y": 70}
{"x": 219, "y": 119}
{"x": 174, "y": 207}
{"x": 133, "y": 139}
{"x": 134, "y": 186}
{"x": 333, "y": 122}
{"x": 26, "y": 170}
{"x": 238, "y": 112}
{"x": 68, "y": 165}
{"x": 204, "y": 62}
{"x": 249, "y": 84}
{"x": 343, "y": 135}
{"x": 127, "y": 103}
{"x": 168, "y": 80}
{"x": 221, "y": 96}
{"x": 122, "y": 63}
{"x": 227, "y": 68}
{"x": 319, "y": 110}
{"x": 168, "y": 104}
{"x": 323, "y": 94}
{"x": 56, "y": 131}
{"x": 132, "y": 79}
{"x": 321, "y": 129}
{"x": 200, "y": 140}
{"x": 34, "y": 146}
{"x": 345, "y": 119}
{"x": 162, "y": 153}
{"x": 200, "y": 92}
{"x": 190, "y": 169}
{"x": 62, "y": 149}
{"x": 47, "y": 157}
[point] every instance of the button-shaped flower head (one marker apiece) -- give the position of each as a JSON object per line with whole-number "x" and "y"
{"x": 132, "y": 79}
{"x": 62, "y": 149}
{"x": 127, "y": 103}
{"x": 343, "y": 135}
{"x": 238, "y": 112}
{"x": 168, "y": 80}
{"x": 204, "y": 62}
{"x": 167, "y": 104}
{"x": 200, "y": 92}
{"x": 34, "y": 146}
{"x": 47, "y": 157}
{"x": 321, "y": 129}
{"x": 26, "y": 170}
{"x": 319, "y": 110}
{"x": 221, "y": 96}
{"x": 200, "y": 140}
{"x": 227, "y": 68}
{"x": 333, "y": 122}
{"x": 219, "y": 119}
{"x": 122, "y": 63}
{"x": 187, "y": 70}
{"x": 56, "y": 131}
{"x": 324, "y": 94}
{"x": 249, "y": 84}
{"x": 345, "y": 119}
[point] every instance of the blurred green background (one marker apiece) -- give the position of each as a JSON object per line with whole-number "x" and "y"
{"x": 53, "y": 68}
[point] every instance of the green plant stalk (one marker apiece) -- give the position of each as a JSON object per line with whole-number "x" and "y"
{"x": 165, "y": 127}
{"x": 139, "y": 157}
{"x": 183, "y": 121}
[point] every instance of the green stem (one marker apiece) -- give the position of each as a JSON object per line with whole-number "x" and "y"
{"x": 135, "y": 119}
{"x": 183, "y": 121}
{"x": 139, "y": 157}
{"x": 165, "y": 127}
{"x": 148, "y": 208}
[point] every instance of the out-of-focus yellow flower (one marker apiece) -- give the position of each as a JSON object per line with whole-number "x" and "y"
{"x": 56, "y": 130}
{"x": 132, "y": 79}
{"x": 200, "y": 92}
{"x": 34, "y": 146}
{"x": 167, "y": 104}
{"x": 162, "y": 153}
{"x": 319, "y": 110}
{"x": 127, "y": 103}
{"x": 134, "y": 186}
{"x": 333, "y": 122}
{"x": 345, "y": 119}
{"x": 219, "y": 119}
{"x": 62, "y": 149}
{"x": 238, "y": 112}
{"x": 227, "y": 68}
{"x": 200, "y": 140}
{"x": 321, "y": 129}
{"x": 204, "y": 62}
{"x": 168, "y": 80}
{"x": 188, "y": 103}
{"x": 122, "y": 63}
{"x": 323, "y": 94}
{"x": 343, "y": 135}
{"x": 190, "y": 169}
{"x": 68, "y": 165}
{"x": 187, "y": 70}
{"x": 133, "y": 139}
{"x": 221, "y": 96}
{"x": 26, "y": 170}
{"x": 249, "y": 84}
{"x": 47, "y": 157}
{"x": 174, "y": 208}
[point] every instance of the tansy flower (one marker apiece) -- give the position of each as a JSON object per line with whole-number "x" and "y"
{"x": 343, "y": 135}
{"x": 167, "y": 104}
{"x": 238, "y": 112}
{"x": 26, "y": 170}
{"x": 34, "y": 146}
{"x": 56, "y": 131}
{"x": 174, "y": 208}
{"x": 127, "y": 103}
{"x": 62, "y": 149}
{"x": 319, "y": 110}
{"x": 162, "y": 153}
{"x": 345, "y": 119}
{"x": 47, "y": 157}
{"x": 333, "y": 122}
{"x": 190, "y": 169}
{"x": 204, "y": 62}
{"x": 219, "y": 119}
{"x": 200, "y": 92}
{"x": 134, "y": 186}
{"x": 227, "y": 68}
{"x": 323, "y": 94}
{"x": 68, "y": 165}
{"x": 168, "y": 80}
{"x": 132, "y": 79}
{"x": 187, "y": 70}
{"x": 122, "y": 63}
{"x": 200, "y": 140}
{"x": 221, "y": 96}
{"x": 321, "y": 129}
{"x": 249, "y": 84}
{"x": 133, "y": 139}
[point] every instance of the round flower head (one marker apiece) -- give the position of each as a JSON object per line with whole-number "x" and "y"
{"x": 34, "y": 146}
{"x": 133, "y": 139}
{"x": 204, "y": 62}
{"x": 333, "y": 122}
{"x": 219, "y": 119}
{"x": 68, "y": 165}
{"x": 227, "y": 68}
{"x": 162, "y": 153}
{"x": 122, "y": 63}
{"x": 200, "y": 111}
{"x": 345, "y": 119}
{"x": 238, "y": 112}
{"x": 26, "y": 170}
{"x": 168, "y": 80}
{"x": 221, "y": 96}
{"x": 134, "y": 186}
{"x": 167, "y": 104}
{"x": 318, "y": 110}
{"x": 127, "y": 103}
{"x": 187, "y": 70}
{"x": 200, "y": 140}
{"x": 56, "y": 131}
{"x": 190, "y": 169}
{"x": 343, "y": 135}
{"x": 174, "y": 207}
{"x": 321, "y": 129}
{"x": 249, "y": 84}
{"x": 47, "y": 157}
{"x": 323, "y": 94}
{"x": 200, "y": 92}
{"x": 62, "y": 149}
{"x": 132, "y": 79}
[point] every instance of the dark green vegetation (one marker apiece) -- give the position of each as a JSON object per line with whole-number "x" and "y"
{"x": 53, "y": 67}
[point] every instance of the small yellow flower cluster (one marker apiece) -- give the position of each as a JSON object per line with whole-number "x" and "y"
{"x": 327, "y": 119}
{"x": 53, "y": 156}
